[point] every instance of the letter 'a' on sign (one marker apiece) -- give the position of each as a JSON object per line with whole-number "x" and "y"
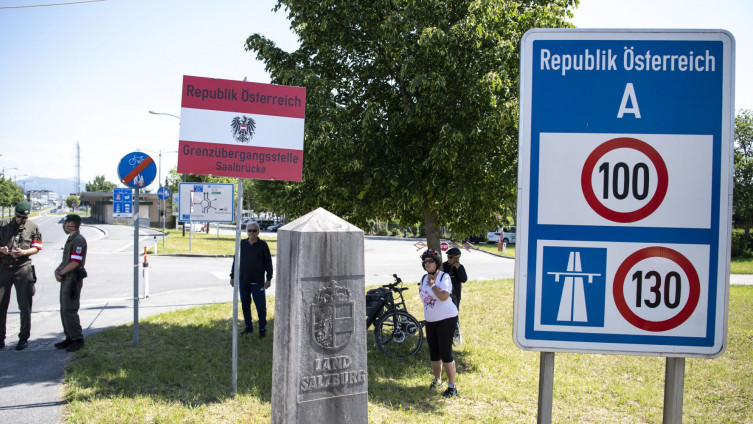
{"x": 628, "y": 98}
{"x": 624, "y": 211}
{"x": 241, "y": 129}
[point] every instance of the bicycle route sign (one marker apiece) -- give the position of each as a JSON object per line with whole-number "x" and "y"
{"x": 122, "y": 203}
{"x": 137, "y": 170}
{"x": 624, "y": 202}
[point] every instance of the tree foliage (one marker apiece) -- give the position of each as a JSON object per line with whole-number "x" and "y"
{"x": 100, "y": 184}
{"x": 73, "y": 201}
{"x": 412, "y": 107}
{"x": 742, "y": 204}
{"x": 10, "y": 192}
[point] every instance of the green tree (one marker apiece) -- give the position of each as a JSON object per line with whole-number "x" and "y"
{"x": 411, "y": 110}
{"x": 73, "y": 201}
{"x": 742, "y": 205}
{"x": 10, "y": 192}
{"x": 100, "y": 184}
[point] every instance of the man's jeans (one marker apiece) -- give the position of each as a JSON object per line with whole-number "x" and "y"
{"x": 247, "y": 291}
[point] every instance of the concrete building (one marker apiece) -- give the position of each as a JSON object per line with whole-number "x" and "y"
{"x": 101, "y": 208}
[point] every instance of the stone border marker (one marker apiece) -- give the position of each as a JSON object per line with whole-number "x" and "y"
{"x": 319, "y": 370}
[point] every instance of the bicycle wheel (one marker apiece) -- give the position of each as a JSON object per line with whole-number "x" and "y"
{"x": 398, "y": 334}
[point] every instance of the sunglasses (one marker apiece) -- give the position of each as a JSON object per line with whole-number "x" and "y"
{"x": 428, "y": 261}
{"x": 253, "y": 231}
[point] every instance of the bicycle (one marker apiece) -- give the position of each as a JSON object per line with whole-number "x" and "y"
{"x": 398, "y": 334}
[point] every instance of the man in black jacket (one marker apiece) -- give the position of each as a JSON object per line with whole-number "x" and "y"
{"x": 256, "y": 260}
{"x": 457, "y": 273}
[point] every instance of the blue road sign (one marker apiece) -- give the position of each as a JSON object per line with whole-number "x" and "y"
{"x": 122, "y": 203}
{"x": 137, "y": 170}
{"x": 625, "y": 174}
{"x": 163, "y": 193}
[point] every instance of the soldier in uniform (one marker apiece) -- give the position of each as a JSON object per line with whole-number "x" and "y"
{"x": 19, "y": 239}
{"x": 70, "y": 274}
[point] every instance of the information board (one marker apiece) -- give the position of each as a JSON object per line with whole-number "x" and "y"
{"x": 203, "y": 202}
{"x": 122, "y": 202}
{"x": 624, "y": 203}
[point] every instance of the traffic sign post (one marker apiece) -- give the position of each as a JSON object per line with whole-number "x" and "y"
{"x": 136, "y": 170}
{"x": 163, "y": 194}
{"x": 122, "y": 203}
{"x": 624, "y": 202}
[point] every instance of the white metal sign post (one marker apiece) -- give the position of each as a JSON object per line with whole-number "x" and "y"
{"x": 624, "y": 199}
{"x": 245, "y": 130}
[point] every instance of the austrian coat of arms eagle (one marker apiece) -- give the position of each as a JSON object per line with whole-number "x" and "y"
{"x": 243, "y": 128}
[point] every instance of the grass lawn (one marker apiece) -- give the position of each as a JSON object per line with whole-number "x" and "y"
{"x": 202, "y": 244}
{"x": 181, "y": 373}
{"x": 741, "y": 266}
{"x": 509, "y": 250}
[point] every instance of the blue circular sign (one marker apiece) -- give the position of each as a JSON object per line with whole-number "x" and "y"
{"x": 163, "y": 193}
{"x": 137, "y": 170}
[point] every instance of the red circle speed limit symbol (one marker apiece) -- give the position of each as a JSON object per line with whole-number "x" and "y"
{"x": 622, "y": 182}
{"x": 664, "y": 289}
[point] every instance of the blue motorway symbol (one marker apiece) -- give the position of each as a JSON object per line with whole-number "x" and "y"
{"x": 574, "y": 286}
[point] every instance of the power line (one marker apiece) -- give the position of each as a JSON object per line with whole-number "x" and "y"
{"x": 51, "y": 4}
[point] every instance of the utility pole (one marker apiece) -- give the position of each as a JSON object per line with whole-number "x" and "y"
{"x": 77, "y": 190}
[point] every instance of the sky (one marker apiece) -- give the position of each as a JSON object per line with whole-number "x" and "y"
{"x": 89, "y": 73}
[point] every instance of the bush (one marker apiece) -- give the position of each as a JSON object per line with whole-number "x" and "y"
{"x": 739, "y": 247}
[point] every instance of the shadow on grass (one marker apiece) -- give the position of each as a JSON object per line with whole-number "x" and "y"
{"x": 405, "y": 383}
{"x": 186, "y": 363}
{"x": 185, "y": 358}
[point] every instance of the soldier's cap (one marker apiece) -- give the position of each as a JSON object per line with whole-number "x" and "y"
{"x": 23, "y": 208}
{"x": 453, "y": 252}
{"x": 72, "y": 217}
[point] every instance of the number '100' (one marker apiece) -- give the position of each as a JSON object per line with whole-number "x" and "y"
{"x": 672, "y": 279}
{"x": 635, "y": 181}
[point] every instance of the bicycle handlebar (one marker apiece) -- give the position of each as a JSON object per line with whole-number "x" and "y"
{"x": 393, "y": 286}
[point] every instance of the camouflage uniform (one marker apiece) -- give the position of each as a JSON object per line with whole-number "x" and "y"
{"x": 18, "y": 272}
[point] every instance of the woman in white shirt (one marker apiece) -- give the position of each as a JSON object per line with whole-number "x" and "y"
{"x": 441, "y": 317}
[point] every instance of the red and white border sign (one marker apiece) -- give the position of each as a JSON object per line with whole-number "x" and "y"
{"x": 241, "y": 129}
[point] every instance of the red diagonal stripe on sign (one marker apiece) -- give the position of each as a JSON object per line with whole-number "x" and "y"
{"x": 137, "y": 170}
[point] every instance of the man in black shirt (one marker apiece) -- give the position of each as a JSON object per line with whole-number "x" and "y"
{"x": 256, "y": 260}
{"x": 457, "y": 274}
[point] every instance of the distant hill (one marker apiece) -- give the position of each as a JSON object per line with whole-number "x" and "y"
{"x": 61, "y": 186}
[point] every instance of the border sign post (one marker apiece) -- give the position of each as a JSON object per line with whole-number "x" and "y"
{"x": 136, "y": 170}
{"x": 245, "y": 130}
{"x": 624, "y": 197}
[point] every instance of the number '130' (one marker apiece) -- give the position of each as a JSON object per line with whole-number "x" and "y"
{"x": 662, "y": 290}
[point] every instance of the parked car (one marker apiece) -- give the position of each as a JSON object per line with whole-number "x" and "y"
{"x": 245, "y": 222}
{"x": 507, "y": 234}
{"x": 274, "y": 227}
{"x": 478, "y": 238}
{"x": 494, "y": 236}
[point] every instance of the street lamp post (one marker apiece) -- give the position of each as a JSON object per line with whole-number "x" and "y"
{"x": 184, "y": 178}
{"x": 159, "y": 179}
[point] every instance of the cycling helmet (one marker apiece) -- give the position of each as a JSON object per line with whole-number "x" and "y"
{"x": 431, "y": 254}
{"x": 454, "y": 252}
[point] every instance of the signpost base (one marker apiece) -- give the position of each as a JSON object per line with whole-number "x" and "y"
{"x": 546, "y": 388}
{"x": 674, "y": 385}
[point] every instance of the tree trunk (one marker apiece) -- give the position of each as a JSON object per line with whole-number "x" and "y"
{"x": 432, "y": 229}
